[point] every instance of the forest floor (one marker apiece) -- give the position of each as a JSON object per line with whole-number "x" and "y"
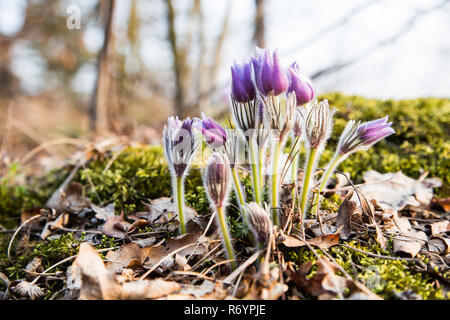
{"x": 101, "y": 225}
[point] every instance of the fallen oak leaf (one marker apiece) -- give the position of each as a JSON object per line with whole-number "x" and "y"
{"x": 324, "y": 241}
{"x": 116, "y": 227}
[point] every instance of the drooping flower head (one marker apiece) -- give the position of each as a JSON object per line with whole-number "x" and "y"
{"x": 215, "y": 135}
{"x": 259, "y": 222}
{"x": 242, "y": 86}
{"x": 300, "y": 84}
{"x": 270, "y": 76}
{"x": 217, "y": 178}
{"x": 180, "y": 142}
{"x": 357, "y": 136}
{"x": 319, "y": 123}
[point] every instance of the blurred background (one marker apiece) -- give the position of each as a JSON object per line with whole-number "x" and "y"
{"x": 70, "y": 70}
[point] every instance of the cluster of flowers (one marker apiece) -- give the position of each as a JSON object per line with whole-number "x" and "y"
{"x": 269, "y": 103}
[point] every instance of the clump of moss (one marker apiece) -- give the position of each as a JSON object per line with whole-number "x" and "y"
{"x": 16, "y": 196}
{"x": 420, "y": 143}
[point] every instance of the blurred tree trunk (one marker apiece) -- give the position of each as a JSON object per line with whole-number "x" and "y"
{"x": 259, "y": 34}
{"x": 102, "y": 98}
{"x": 179, "y": 62}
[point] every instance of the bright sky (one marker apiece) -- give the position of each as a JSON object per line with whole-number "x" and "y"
{"x": 417, "y": 64}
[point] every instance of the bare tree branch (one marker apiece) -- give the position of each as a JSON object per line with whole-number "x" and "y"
{"x": 332, "y": 27}
{"x": 380, "y": 44}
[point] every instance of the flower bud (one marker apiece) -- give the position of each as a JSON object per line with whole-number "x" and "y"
{"x": 357, "y": 135}
{"x": 180, "y": 143}
{"x": 216, "y": 179}
{"x": 300, "y": 84}
{"x": 259, "y": 222}
{"x": 242, "y": 87}
{"x": 270, "y": 76}
{"x": 213, "y": 132}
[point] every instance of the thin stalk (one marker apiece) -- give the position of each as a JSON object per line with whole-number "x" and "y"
{"x": 179, "y": 192}
{"x": 226, "y": 236}
{"x": 241, "y": 200}
{"x": 275, "y": 163}
{"x": 326, "y": 176}
{"x": 255, "y": 175}
{"x": 310, "y": 164}
{"x": 239, "y": 193}
{"x": 261, "y": 166}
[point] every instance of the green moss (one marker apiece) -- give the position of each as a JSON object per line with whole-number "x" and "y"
{"x": 384, "y": 277}
{"x": 421, "y": 141}
{"x": 17, "y": 196}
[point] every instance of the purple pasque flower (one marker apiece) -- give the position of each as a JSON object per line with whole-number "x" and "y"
{"x": 180, "y": 142}
{"x": 270, "y": 76}
{"x": 242, "y": 86}
{"x": 217, "y": 178}
{"x": 214, "y": 133}
{"x": 357, "y": 135}
{"x": 300, "y": 84}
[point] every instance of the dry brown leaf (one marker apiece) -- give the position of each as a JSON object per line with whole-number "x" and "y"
{"x": 439, "y": 245}
{"x": 61, "y": 221}
{"x": 163, "y": 210}
{"x": 441, "y": 203}
{"x": 147, "y": 289}
{"x": 149, "y": 256}
{"x": 97, "y": 282}
{"x": 396, "y": 190}
{"x": 104, "y": 213}
{"x": 72, "y": 199}
{"x": 28, "y": 290}
{"x": 346, "y": 210}
{"x": 116, "y": 227}
{"x": 324, "y": 281}
{"x": 323, "y": 242}
{"x": 34, "y": 267}
{"x": 410, "y": 245}
{"x": 440, "y": 227}
{"x": 198, "y": 291}
{"x": 27, "y": 214}
{"x": 368, "y": 211}
{"x": 325, "y": 284}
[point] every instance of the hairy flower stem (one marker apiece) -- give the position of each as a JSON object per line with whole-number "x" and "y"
{"x": 326, "y": 176}
{"x": 226, "y": 236}
{"x": 239, "y": 193}
{"x": 275, "y": 163}
{"x": 310, "y": 166}
{"x": 261, "y": 167}
{"x": 179, "y": 192}
{"x": 255, "y": 175}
